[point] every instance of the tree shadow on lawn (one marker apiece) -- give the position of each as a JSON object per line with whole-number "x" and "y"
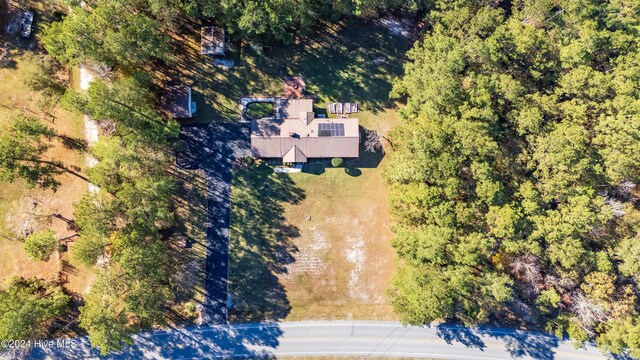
{"x": 353, "y": 61}
{"x": 261, "y": 243}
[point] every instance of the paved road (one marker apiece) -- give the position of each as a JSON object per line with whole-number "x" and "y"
{"x": 364, "y": 338}
{"x": 213, "y": 149}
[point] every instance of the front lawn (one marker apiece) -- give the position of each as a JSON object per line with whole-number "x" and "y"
{"x": 311, "y": 245}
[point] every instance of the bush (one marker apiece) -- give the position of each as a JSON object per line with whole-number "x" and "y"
{"x": 40, "y": 246}
{"x": 249, "y": 160}
{"x": 337, "y": 162}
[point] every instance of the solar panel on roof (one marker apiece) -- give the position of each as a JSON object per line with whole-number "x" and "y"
{"x": 330, "y": 129}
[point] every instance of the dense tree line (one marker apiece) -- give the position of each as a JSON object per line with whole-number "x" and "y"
{"x": 115, "y": 29}
{"x": 514, "y": 180}
{"x": 27, "y": 306}
{"x": 121, "y": 225}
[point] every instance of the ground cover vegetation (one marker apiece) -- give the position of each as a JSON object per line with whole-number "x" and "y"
{"x": 513, "y": 182}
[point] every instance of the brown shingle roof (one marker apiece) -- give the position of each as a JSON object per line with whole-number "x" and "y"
{"x": 296, "y": 134}
{"x": 318, "y": 147}
{"x": 294, "y": 155}
{"x": 176, "y": 101}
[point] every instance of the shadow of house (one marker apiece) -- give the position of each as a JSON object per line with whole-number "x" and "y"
{"x": 261, "y": 243}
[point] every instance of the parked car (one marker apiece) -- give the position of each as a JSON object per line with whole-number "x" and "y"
{"x": 27, "y": 23}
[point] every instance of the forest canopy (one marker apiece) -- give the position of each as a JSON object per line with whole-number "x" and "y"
{"x": 514, "y": 181}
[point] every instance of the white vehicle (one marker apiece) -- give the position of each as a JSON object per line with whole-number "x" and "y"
{"x": 27, "y": 23}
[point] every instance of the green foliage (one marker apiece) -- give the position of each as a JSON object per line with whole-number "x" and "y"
{"x": 43, "y": 75}
{"x": 511, "y": 176}
{"x": 548, "y": 301}
{"x": 621, "y": 335}
{"x": 40, "y": 246}
{"x": 421, "y": 295}
{"x": 283, "y": 19}
{"x": 110, "y": 33}
{"x": 27, "y": 306}
{"x": 104, "y": 316}
{"x": 337, "y": 162}
{"x": 22, "y": 153}
{"x": 123, "y": 222}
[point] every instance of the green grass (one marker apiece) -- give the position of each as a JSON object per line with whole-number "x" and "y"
{"x": 259, "y": 110}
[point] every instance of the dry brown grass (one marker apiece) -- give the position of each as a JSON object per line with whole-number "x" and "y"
{"x": 14, "y": 261}
{"x": 335, "y": 259}
{"x": 345, "y": 257}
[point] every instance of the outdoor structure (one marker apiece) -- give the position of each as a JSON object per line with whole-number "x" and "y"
{"x": 27, "y": 24}
{"x": 294, "y": 87}
{"x": 212, "y": 40}
{"x": 296, "y": 135}
{"x": 178, "y": 103}
{"x": 342, "y": 108}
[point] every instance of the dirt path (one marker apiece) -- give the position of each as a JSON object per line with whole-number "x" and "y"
{"x": 90, "y": 126}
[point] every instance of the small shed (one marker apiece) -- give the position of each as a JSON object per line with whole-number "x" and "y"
{"x": 27, "y": 23}
{"x": 178, "y": 102}
{"x": 212, "y": 40}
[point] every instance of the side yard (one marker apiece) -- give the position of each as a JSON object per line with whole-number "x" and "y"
{"x": 24, "y": 210}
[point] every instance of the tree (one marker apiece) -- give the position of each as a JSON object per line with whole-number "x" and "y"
{"x": 373, "y": 141}
{"x": 104, "y": 316}
{"x": 43, "y": 76}
{"x": 111, "y": 33}
{"x": 40, "y": 246}
{"x": 420, "y": 295}
{"x": 336, "y": 162}
{"x": 28, "y": 305}
{"x": 621, "y": 335}
{"x": 22, "y": 153}
{"x": 514, "y": 168}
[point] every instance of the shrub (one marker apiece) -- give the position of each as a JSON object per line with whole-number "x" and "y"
{"x": 249, "y": 160}
{"x": 40, "y": 246}
{"x": 337, "y": 162}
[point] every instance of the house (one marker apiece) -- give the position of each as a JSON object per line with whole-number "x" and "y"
{"x": 212, "y": 41}
{"x": 296, "y": 135}
{"x": 178, "y": 103}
